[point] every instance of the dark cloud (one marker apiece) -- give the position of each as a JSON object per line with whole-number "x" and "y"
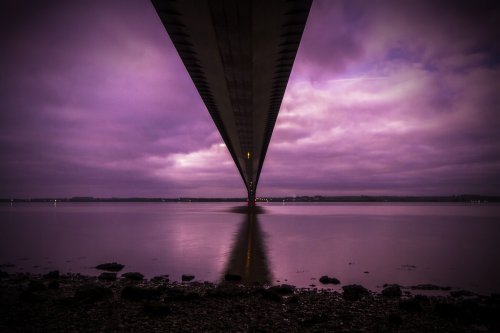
{"x": 385, "y": 97}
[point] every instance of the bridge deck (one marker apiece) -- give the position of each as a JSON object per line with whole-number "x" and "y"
{"x": 239, "y": 55}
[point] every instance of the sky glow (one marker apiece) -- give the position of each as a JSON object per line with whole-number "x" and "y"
{"x": 385, "y": 97}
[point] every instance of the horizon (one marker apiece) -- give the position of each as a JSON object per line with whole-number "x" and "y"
{"x": 463, "y": 196}
{"x": 385, "y": 99}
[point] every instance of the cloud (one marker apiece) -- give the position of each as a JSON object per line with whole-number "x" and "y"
{"x": 385, "y": 97}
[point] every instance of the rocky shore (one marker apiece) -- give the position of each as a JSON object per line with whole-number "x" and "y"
{"x": 128, "y": 303}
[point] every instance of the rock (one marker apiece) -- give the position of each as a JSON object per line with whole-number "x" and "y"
{"x": 187, "y": 278}
{"x": 107, "y": 276}
{"x": 134, "y": 293}
{"x": 410, "y": 305}
{"x": 135, "y": 276}
{"x": 232, "y": 277}
{"x": 157, "y": 309}
{"x": 284, "y": 289}
{"x": 325, "y": 279}
{"x": 92, "y": 294}
{"x": 392, "y": 290}
{"x": 354, "y": 292}
{"x": 3, "y": 274}
{"x": 52, "y": 275}
{"x": 112, "y": 267}
{"x": 160, "y": 278}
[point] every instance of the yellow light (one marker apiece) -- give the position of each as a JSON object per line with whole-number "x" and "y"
{"x": 248, "y": 155}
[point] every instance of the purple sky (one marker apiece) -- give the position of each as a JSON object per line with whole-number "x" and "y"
{"x": 385, "y": 97}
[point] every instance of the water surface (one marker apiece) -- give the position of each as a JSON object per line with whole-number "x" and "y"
{"x": 445, "y": 244}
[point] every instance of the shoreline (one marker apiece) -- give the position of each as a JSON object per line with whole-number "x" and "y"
{"x": 79, "y": 303}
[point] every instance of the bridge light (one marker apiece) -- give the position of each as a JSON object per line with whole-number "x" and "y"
{"x": 248, "y": 155}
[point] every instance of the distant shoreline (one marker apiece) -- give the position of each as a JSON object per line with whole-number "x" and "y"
{"x": 465, "y": 198}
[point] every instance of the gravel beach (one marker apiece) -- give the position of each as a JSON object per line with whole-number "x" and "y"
{"x": 77, "y": 303}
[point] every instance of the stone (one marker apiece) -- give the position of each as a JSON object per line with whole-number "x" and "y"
{"x": 283, "y": 289}
{"x": 161, "y": 278}
{"x": 187, "y": 278}
{"x": 111, "y": 267}
{"x": 325, "y": 279}
{"x": 107, "y": 276}
{"x": 3, "y": 274}
{"x": 135, "y": 276}
{"x": 392, "y": 291}
{"x": 354, "y": 292}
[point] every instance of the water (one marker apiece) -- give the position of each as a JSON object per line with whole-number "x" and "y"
{"x": 370, "y": 244}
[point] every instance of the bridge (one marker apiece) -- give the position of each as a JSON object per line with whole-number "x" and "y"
{"x": 239, "y": 55}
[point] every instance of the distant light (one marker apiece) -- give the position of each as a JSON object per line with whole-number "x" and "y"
{"x": 248, "y": 155}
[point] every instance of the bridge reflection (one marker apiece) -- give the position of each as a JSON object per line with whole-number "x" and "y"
{"x": 248, "y": 257}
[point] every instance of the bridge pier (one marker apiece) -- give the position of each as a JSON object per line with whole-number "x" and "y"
{"x": 251, "y": 198}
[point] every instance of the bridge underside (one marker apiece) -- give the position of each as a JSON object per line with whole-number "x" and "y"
{"x": 239, "y": 55}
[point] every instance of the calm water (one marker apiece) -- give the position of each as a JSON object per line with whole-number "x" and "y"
{"x": 370, "y": 244}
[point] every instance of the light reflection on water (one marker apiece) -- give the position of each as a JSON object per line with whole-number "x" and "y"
{"x": 370, "y": 244}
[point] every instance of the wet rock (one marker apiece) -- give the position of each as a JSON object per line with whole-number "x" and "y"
{"x": 325, "y": 279}
{"x": 187, "y": 278}
{"x": 52, "y": 275}
{"x": 410, "y": 305}
{"x": 92, "y": 293}
{"x": 157, "y": 309}
{"x": 284, "y": 289}
{"x": 232, "y": 277}
{"x": 161, "y": 278}
{"x": 354, "y": 292}
{"x": 107, "y": 276}
{"x": 135, "y": 276}
{"x": 134, "y": 293}
{"x": 111, "y": 267}
{"x": 392, "y": 290}
{"x": 293, "y": 299}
